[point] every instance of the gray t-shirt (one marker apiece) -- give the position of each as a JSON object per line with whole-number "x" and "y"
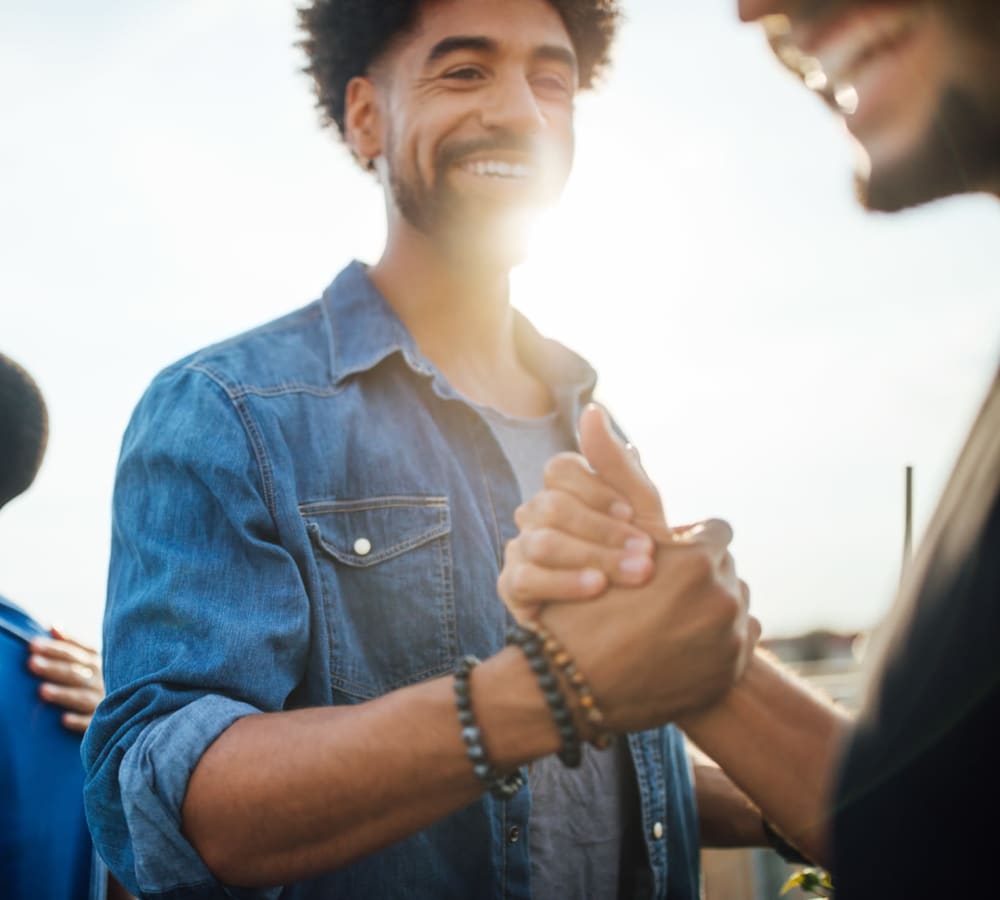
{"x": 578, "y": 816}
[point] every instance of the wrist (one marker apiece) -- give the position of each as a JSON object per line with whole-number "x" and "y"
{"x": 515, "y": 720}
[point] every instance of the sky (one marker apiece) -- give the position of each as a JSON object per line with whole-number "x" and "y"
{"x": 777, "y": 355}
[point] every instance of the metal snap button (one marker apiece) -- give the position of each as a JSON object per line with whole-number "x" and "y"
{"x": 362, "y": 546}
{"x": 658, "y": 831}
{"x": 514, "y": 834}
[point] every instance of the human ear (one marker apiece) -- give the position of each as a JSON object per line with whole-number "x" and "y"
{"x": 363, "y": 120}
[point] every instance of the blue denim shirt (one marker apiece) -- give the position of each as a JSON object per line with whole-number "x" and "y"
{"x": 248, "y": 475}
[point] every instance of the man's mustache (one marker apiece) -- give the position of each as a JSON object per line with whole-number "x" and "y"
{"x": 500, "y": 142}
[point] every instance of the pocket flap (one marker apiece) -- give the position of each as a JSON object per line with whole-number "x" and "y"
{"x": 370, "y": 531}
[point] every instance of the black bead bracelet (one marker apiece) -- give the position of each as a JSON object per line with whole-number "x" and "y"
{"x": 570, "y": 753}
{"x": 503, "y": 787}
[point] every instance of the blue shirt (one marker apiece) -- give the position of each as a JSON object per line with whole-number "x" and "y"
{"x": 45, "y": 850}
{"x": 306, "y": 515}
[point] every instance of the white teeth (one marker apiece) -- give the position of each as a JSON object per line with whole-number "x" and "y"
{"x": 847, "y": 100}
{"x": 497, "y": 169}
{"x": 837, "y": 61}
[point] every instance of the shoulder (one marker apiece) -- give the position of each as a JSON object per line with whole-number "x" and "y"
{"x": 286, "y": 355}
{"x": 16, "y": 623}
{"x": 287, "y": 352}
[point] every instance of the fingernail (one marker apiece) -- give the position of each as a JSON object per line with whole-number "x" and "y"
{"x": 634, "y": 565}
{"x": 621, "y": 510}
{"x": 591, "y": 579}
{"x": 638, "y": 544}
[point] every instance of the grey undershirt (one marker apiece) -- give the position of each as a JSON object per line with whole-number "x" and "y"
{"x": 578, "y": 816}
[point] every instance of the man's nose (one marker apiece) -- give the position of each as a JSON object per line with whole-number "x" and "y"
{"x": 512, "y": 105}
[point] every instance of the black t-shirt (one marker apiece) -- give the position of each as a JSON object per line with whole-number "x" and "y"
{"x": 917, "y": 809}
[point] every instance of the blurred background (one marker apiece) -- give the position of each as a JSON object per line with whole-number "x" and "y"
{"x": 777, "y": 355}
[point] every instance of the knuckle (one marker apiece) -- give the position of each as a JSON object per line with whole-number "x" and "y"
{"x": 538, "y": 544}
{"x": 727, "y": 610}
{"x": 699, "y": 565}
{"x": 520, "y": 516}
{"x": 561, "y": 467}
{"x": 520, "y": 582}
{"x": 547, "y": 503}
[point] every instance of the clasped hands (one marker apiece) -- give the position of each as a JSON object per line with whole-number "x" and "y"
{"x": 656, "y": 616}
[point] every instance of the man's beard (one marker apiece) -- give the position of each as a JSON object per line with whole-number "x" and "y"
{"x": 472, "y": 226}
{"x": 961, "y": 153}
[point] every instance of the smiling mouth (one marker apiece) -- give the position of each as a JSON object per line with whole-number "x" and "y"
{"x": 830, "y": 62}
{"x": 495, "y": 168}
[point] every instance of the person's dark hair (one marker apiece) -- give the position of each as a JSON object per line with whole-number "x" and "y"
{"x": 24, "y": 429}
{"x": 344, "y": 37}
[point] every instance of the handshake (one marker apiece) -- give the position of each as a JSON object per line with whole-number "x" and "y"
{"x": 655, "y": 616}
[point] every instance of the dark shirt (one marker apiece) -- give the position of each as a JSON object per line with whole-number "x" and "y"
{"x": 919, "y": 791}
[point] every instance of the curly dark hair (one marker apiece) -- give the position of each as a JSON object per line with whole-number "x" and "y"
{"x": 24, "y": 429}
{"x": 344, "y": 37}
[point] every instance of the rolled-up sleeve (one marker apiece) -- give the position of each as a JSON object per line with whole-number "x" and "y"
{"x": 207, "y": 621}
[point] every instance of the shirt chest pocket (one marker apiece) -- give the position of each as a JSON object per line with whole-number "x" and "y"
{"x": 386, "y": 571}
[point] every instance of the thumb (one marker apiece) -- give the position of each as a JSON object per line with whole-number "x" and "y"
{"x": 619, "y": 467}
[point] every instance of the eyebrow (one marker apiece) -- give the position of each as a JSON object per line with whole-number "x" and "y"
{"x": 480, "y": 44}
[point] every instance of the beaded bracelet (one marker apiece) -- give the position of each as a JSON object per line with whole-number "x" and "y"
{"x": 554, "y": 650}
{"x": 569, "y": 753}
{"x": 503, "y": 787}
{"x": 783, "y": 848}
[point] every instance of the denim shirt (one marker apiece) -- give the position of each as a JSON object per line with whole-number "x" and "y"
{"x": 306, "y": 515}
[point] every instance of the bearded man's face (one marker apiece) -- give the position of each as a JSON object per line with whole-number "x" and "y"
{"x": 917, "y": 81}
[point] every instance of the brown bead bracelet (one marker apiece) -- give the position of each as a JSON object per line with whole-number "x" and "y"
{"x": 600, "y": 737}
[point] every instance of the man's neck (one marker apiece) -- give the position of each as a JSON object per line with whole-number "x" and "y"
{"x": 460, "y": 317}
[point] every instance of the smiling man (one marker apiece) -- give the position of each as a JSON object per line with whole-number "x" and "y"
{"x": 309, "y": 522}
{"x": 916, "y": 82}
{"x": 899, "y": 802}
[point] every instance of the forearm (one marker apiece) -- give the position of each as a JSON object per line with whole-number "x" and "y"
{"x": 779, "y": 742}
{"x": 283, "y": 797}
{"x": 726, "y": 816}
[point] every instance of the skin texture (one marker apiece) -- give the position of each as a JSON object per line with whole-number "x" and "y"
{"x": 927, "y": 110}
{"x": 398, "y": 764}
{"x": 70, "y": 675}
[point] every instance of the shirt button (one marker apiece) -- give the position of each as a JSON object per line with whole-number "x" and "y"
{"x": 657, "y": 831}
{"x": 362, "y": 546}
{"x": 514, "y": 835}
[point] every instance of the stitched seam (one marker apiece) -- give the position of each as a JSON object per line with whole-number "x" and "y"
{"x": 489, "y": 498}
{"x": 395, "y": 550}
{"x": 253, "y": 435}
{"x": 503, "y": 850}
{"x": 333, "y": 506}
{"x": 450, "y": 613}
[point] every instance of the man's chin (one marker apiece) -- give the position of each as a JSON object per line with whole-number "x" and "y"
{"x": 492, "y": 237}
{"x": 960, "y": 154}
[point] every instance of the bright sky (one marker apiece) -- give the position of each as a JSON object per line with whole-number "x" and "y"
{"x": 777, "y": 355}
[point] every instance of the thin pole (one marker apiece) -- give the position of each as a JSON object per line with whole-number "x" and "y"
{"x": 908, "y": 526}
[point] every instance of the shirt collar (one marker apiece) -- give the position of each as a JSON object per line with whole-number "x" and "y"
{"x": 364, "y": 330}
{"x": 17, "y": 622}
